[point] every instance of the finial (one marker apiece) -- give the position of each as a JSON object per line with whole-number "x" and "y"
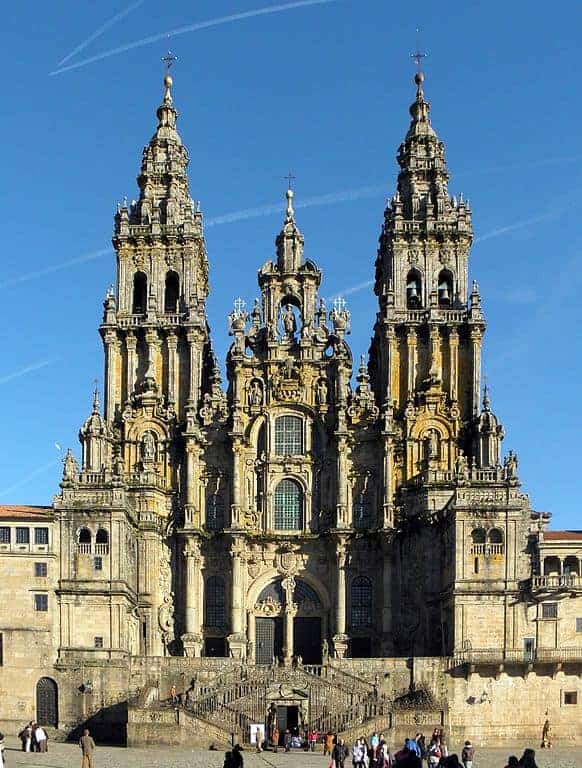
{"x": 168, "y": 60}
{"x": 96, "y": 397}
{"x": 486, "y": 399}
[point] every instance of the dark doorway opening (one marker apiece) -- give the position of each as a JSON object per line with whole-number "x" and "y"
{"x": 307, "y": 639}
{"x": 268, "y": 639}
{"x": 361, "y": 647}
{"x": 287, "y": 717}
{"x": 47, "y": 711}
{"x": 215, "y": 646}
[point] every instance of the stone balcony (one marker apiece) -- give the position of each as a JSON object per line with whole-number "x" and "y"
{"x": 556, "y": 583}
{"x": 515, "y": 660}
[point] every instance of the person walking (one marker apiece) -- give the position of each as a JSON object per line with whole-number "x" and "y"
{"x": 25, "y": 737}
{"x": 328, "y": 743}
{"x": 275, "y": 739}
{"x": 339, "y": 753}
{"x": 468, "y": 755}
{"x": 174, "y": 695}
{"x": 237, "y": 758}
{"x": 359, "y": 754}
{"x": 287, "y": 740}
{"x": 312, "y": 739}
{"x": 87, "y": 746}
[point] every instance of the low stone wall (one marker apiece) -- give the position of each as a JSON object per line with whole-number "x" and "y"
{"x": 172, "y": 727}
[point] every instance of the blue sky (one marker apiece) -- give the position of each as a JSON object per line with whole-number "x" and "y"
{"x": 323, "y": 90}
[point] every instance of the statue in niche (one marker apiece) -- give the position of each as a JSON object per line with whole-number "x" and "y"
{"x": 432, "y": 445}
{"x": 321, "y": 391}
{"x": 255, "y": 393}
{"x": 148, "y": 448}
{"x": 289, "y": 322}
{"x": 461, "y": 465}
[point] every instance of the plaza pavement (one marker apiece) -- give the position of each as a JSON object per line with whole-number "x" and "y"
{"x": 67, "y": 755}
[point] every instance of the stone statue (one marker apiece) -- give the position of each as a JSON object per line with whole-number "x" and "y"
{"x": 325, "y": 651}
{"x": 461, "y": 465}
{"x": 510, "y": 466}
{"x": 432, "y": 444}
{"x": 289, "y": 322}
{"x": 255, "y": 393}
{"x": 148, "y": 448}
{"x": 70, "y": 466}
{"x": 321, "y": 392}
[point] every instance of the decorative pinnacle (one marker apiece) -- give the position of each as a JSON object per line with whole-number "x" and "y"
{"x": 486, "y": 399}
{"x": 96, "y": 405}
{"x": 168, "y": 60}
{"x": 418, "y": 56}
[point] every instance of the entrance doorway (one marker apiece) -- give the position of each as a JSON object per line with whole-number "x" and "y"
{"x": 47, "y": 712}
{"x": 307, "y": 639}
{"x": 268, "y": 639}
{"x": 287, "y": 717}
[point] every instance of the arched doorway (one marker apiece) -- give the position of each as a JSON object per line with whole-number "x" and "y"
{"x": 47, "y": 702}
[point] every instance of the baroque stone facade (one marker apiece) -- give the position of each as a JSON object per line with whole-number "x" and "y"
{"x": 295, "y": 517}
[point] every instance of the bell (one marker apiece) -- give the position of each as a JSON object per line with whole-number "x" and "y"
{"x": 412, "y": 292}
{"x": 444, "y": 292}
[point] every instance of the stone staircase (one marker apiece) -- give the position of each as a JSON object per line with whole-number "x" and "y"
{"x": 338, "y": 701}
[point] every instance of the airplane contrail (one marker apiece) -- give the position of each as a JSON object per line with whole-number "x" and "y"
{"x": 347, "y": 195}
{"x": 98, "y": 32}
{"x": 23, "y": 371}
{"x": 55, "y": 267}
{"x": 192, "y": 28}
{"x": 31, "y": 475}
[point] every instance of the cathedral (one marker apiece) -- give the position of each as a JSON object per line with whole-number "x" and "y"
{"x": 335, "y": 541}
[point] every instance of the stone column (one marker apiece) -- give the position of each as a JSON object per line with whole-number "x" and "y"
{"x": 476, "y": 388}
{"x": 342, "y": 481}
{"x": 192, "y": 638}
{"x": 111, "y": 349}
{"x": 172, "y": 342}
{"x": 435, "y": 371}
{"x": 392, "y": 352}
{"x": 387, "y": 517}
{"x": 288, "y": 585}
{"x": 195, "y": 372}
{"x": 131, "y": 345}
{"x": 454, "y": 364}
{"x": 236, "y": 640}
{"x": 411, "y": 366}
{"x": 192, "y": 512}
{"x": 153, "y": 344}
{"x": 236, "y": 484}
{"x": 340, "y": 639}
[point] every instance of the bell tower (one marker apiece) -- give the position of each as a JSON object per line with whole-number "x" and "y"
{"x": 426, "y": 350}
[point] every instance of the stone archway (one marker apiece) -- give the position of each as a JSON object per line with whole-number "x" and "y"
{"x": 288, "y": 621}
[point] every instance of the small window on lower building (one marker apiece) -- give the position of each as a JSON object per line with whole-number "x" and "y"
{"x": 549, "y": 610}
{"x": 41, "y": 602}
{"x": 98, "y": 563}
{"x": 41, "y": 536}
{"x": 40, "y": 570}
{"x": 578, "y": 625}
{"x": 98, "y": 642}
{"x": 4, "y": 534}
{"x": 22, "y": 535}
{"x": 570, "y": 697}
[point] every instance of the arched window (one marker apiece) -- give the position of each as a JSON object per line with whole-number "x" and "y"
{"x": 140, "y": 293}
{"x": 361, "y": 602}
{"x": 215, "y": 602}
{"x": 102, "y": 542}
{"x": 214, "y": 512}
{"x": 288, "y": 506}
{"x": 289, "y": 436}
{"x": 172, "y": 292}
{"x": 362, "y": 510}
{"x": 478, "y": 536}
{"x": 495, "y": 536}
{"x": 445, "y": 289}
{"x": 303, "y": 592}
{"x": 84, "y": 541}
{"x": 413, "y": 290}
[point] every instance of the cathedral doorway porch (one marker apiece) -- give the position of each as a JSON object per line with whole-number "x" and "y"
{"x": 269, "y": 639}
{"x": 287, "y": 717}
{"x": 47, "y": 712}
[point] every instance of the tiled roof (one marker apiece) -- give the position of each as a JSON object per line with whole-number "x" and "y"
{"x": 562, "y": 535}
{"x": 23, "y": 512}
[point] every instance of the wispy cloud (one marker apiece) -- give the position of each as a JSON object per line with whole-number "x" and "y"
{"x": 357, "y": 193}
{"x": 24, "y": 370}
{"x": 100, "y": 30}
{"x": 26, "y": 276}
{"x": 517, "y": 225}
{"x": 30, "y": 476}
{"x": 192, "y": 28}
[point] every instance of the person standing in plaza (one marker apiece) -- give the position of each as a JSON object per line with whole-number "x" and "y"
{"x": 275, "y": 738}
{"x": 25, "y": 737}
{"x": 359, "y": 754}
{"x": 40, "y": 738}
{"x": 328, "y": 743}
{"x": 528, "y": 759}
{"x": 339, "y": 753}
{"x": 312, "y": 738}
{"x": 87, "y": 746}
{"x": 468, "y": 755}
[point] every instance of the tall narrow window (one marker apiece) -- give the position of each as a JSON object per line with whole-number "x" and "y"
{"x": 172, "y": 292}
{"x": 102, "y": 542}
{"x": 22, "y": 535}
{"x": 41, "y": 535}
{"x": 362, "y": 510}
{"x": 288, "y": 436}
{"x": 215, "y": 602}
{"x": 445, "y": 289}
{"x": 361, "y": 602}
{"x": 215, "y": 512}
{"x": 288, "y": 506}
{"x": 4, "y": 534}
{"x": 413, "y": 290}
{"x": 140, "y": 293}
{"x": 40, "y": 570}
{"x": 41, "y": 603}
{"x": 84, "y": 542}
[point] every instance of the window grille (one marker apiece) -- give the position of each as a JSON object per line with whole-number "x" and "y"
{"x": 288, "y": 506}
{"x": 288, "y": 436}
{"x": 215, "y": 512}
{"x": 98, "y": 642}
{"x": 4, "y": 534}
{"x": 40, "y": 570}
{"x": 98, "y": 563}
{"x": 41, "y": 536}
{"x": 215, "y": 602}
{"x": 41, "y": 602}
{"x": 22, "y": 536}
{"x": 549, "y": 610}
{"x": 361, "y": 603}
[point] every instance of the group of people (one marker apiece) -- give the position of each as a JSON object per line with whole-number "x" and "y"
{"x": 33, "y": 738}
